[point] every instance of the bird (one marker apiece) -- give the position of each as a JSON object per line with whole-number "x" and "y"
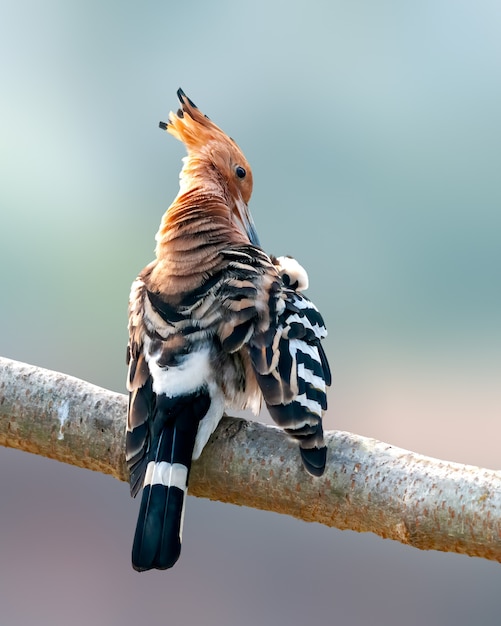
{"x": 215, "y": 323}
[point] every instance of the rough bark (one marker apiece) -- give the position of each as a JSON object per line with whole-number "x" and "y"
{"x": 369, "y": 486}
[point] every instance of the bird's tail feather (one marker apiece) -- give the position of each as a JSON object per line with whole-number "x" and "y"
{"x": 157, "y": 541}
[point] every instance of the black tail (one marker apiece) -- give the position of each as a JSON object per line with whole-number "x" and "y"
{"x": 157, "y": 542}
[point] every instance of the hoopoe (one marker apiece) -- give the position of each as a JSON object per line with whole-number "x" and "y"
{"x": 214, "y": 324}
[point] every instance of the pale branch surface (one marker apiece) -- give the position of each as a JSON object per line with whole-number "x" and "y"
{"x": 369, "y": 486}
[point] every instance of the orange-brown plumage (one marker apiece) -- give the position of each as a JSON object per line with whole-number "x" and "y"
{"x": 207, "y": 143}
{"x": 214, "y": 324}
{"x": 211, "y": 208}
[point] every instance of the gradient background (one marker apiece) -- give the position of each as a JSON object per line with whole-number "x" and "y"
{"x": 374, "y": 133}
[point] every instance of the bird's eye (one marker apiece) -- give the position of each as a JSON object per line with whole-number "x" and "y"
{"x": 240, "y": 171}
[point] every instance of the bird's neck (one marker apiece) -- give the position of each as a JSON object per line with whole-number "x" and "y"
{"x": 198, "y": 216}
{"x": 199, "y": 174}
{"x": 194, "y": 231}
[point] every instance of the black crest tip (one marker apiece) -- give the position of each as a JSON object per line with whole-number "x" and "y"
{"x": 163, "y": 125}
{"x": 183, "y": 97}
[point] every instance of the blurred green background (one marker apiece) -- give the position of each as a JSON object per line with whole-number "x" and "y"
{"x": 373, "y": 130}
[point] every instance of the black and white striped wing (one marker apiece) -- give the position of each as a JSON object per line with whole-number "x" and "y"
{"x": 293, "y": 373}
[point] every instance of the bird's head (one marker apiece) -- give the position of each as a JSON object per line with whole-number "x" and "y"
{"x": 214, "y": 160}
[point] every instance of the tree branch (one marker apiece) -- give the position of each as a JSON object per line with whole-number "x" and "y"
{"x": 369, "y": 486}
